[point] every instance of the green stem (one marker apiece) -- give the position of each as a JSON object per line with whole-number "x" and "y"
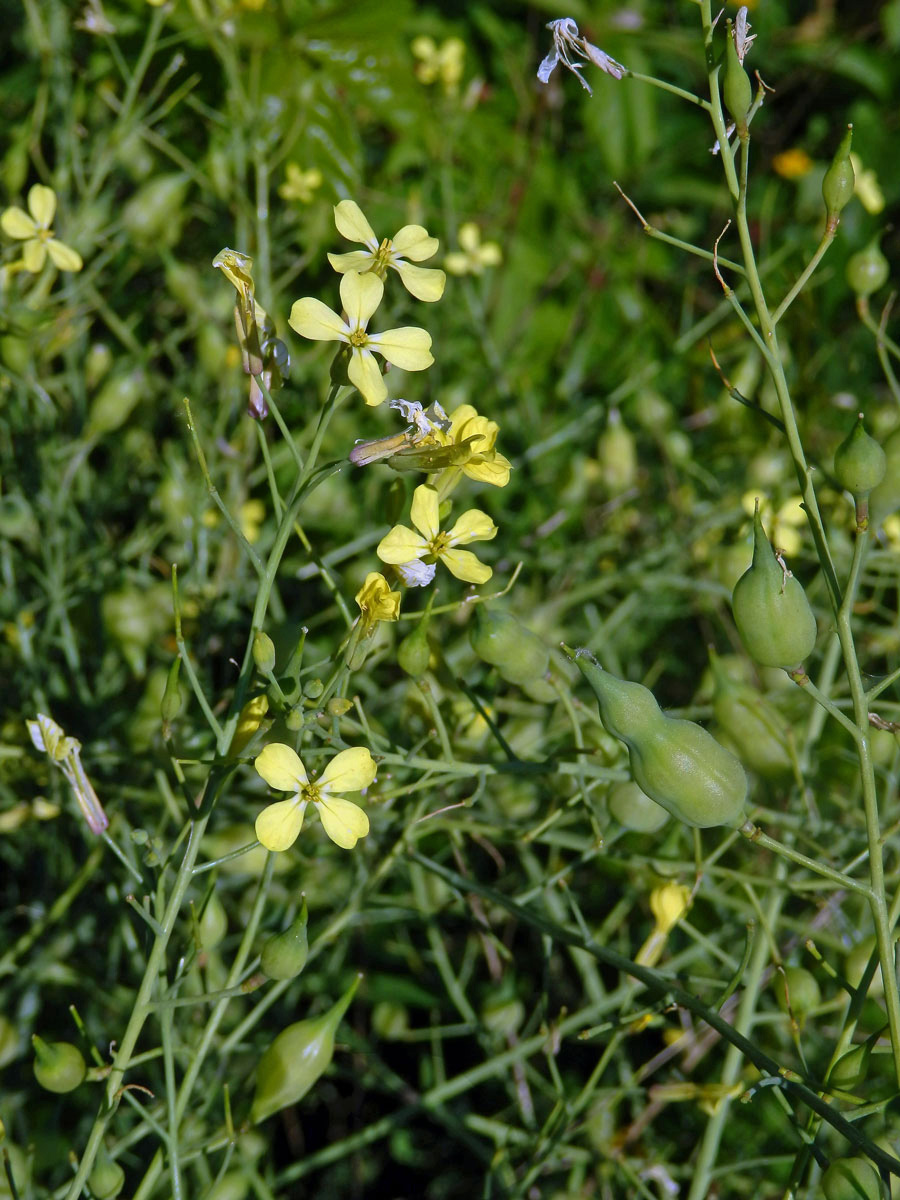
{"x": 754, "y": 834}
{"x": 801, "y": 282}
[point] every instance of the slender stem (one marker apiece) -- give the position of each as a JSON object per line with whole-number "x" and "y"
{"x": 754, "y": 834}
{"x": 665, "y": 86}
{"x": 798, "y": 287}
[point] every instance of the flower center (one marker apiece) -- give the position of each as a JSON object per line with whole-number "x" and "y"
{"x": 382, "y": 258}
{"x": 309, "y": 794}
{"x": 440, "y": 544}
{"x": 358, "y": 337}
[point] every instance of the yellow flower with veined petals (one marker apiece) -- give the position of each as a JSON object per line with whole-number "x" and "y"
{"x": 485, "y": 464}
{"x": 410, "y": 242}
{"x": 279, "y": 825}
{"x": 444, "y": 62}
{"x": 34, "y": 228}
{"x": 300, "y": 185}
{"x": 376, "y": 602}
{"x": 407, "y": 347}
{"x": 475, "y": 254}
{"x": 415, "y": 554}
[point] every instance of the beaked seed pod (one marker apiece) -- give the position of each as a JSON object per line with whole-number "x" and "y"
{"x": 677, "y": 763}
{"x": 771, "y": 610}
{"x": 58, "y": 1066}
{"x": 296, "y": 1059}
{"x": 839, "y": 182}
{"x": 284, "y": 954}
{"x": 753, "y": 727}
{"x": 737, "y": 91}
{"x": 851, "y": 1179}
{"x": 859, "y": 461}
{"x": 502, "y": 640}
{"x": 868, "y": 269}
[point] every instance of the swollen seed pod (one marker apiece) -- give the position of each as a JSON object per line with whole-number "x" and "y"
{"x": 58, "y": 1066}
{"x": 284, "y": 954}
{"x": 799, "y": 988}
{"x": 634, "y": 809}
{"x": 737, "y": 91}
{"x": 107, "y": 1178}
{"x": 868, "y": 269}
{"x": 677, "y": 763}
{"x": 771, "y": 610}
{"x": 502, "y": 640}
{"x": 859, "y": 462}
{"x": 851, "y": 1179}
{"x": 851, "y": 1068}
{"x": 752, "y": 725}
{"x": 414, "y": 652}
{"x": 296, "y": 1059}
{"x": 263, "y": 652}
{"x": 839, "y": 182}
{"x": 885, "y": 499}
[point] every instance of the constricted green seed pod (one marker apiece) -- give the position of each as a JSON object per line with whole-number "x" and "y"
{"x": 851, "y": 1179}
{"x": 677, "y": 763}
{"x": 634, "y": 809}
{"x": 868, "y": 269}
{"x": 859, "y": 462}
{"x": 737, "y": 91}
{"x": 284, "y": 954}
{"x": 839, "y": 182}
{"x": 296, "y": 1059}
{"x": 106, "y": 1179}
{"x": 58, "y": 1066}
{"x": 502, "y": 640}
{"x": 771, "y": 610}
{"x": 752, "y": 725}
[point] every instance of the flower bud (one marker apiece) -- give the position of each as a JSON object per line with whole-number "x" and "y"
{"x": 58, "y": 1066}
{"x": 868, "y": 269}
{"x": 502, "y": 640}
{"x": 752, "y": 726}
{"x": 859, "y": 461}
{"x": 338, "y": 706}
{"x": 737, "y": 91}
{"x": 263, "y": 652}
{"x": 284, "y": 954}
{"x": 839, "y": 182}
{"x": 296, "y": 1060}
{"x": 771, "y": 610}
{"x": 677, "y": 763}
{"x": 634, "y": 809}
{"x": 313, "y": 688}
{"x": 851, "y": 1179}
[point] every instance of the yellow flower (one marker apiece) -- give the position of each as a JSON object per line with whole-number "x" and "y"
{"x": 300, "y": 185}
{"x": 415, "y": 554}
{"x": 376, "y": 602}
{"x": 475, "y": 254}
{"x": 407, "y": 347}
{"x": 444, "y": 62}
{"x": 33, "y": 227}
{"x": 484, "y": 463}
{"x": 866, "y": 186}
{"x": 792, "y": 164}
{"x": 668, "y": 903}
{"x": 250, "y": 517}
{"x": 279, "y": 825}
{"x": 412, "y": 241}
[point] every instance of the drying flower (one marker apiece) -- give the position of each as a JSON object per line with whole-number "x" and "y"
{"x": 567, "y": 41}
{"x": 65, "y": 753}
{"x": 376, "y": 602}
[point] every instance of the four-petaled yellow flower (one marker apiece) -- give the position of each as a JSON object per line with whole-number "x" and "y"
{"x": 484, "y": 464}
{"x": 299, "y": 184}
{"x": 444, "y": 62}
{"x": 475, "y": 254}
{"x": 410, "y": 242}
{"x": 279, "y": 825}
{"x": 415, "y": 554}
{"x": 34, "y": 228}
{"x": 376, "y": 602}
{"x": 407, "y": 347}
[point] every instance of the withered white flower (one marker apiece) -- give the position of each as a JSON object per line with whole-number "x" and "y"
{"x": 743, "y": 38}
{"x": 568, "y": 47}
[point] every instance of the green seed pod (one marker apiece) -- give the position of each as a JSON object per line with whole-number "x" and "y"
{"x": 752, "y": 725}
{"x": 851, "y": 1068}
{"x": 851, "y": 1179}
{"x": 296, "y": 1059}
{"x": 414, "y": 652}
{"x": 172, "y": 700}
{"x": 856, "y": 962}
{"x": 114, "y": 403}
{"x": 263, "y": 652}
{"x": 859, "y": 462}
{"x": 617, "y": 456}
{"x": 58, "y": 1066}
{"x": 107, "y": 1178}
{"x": 502, "y": 640}
{"x": 234, "y": 1185}
{"x": 284, "y": 954}
{"x": 868, "y": 269}
{"x": 885, "y": 499}
{"x": 153, "y": 215}
{"x": 677, "y": 763}
{"x": 737, "y": 91}
{"x": 634, "y": 809}
{"x": 800, "y": 988}
{"x": 839, "y": 182}
{"x": 213, "y": 924}
{"x": 771, "y": 610}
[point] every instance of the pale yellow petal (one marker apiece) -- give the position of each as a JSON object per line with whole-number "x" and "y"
{"x": 16, "y": 223}
{"x": 350, "y": 771}
{"x": 279, "y": 825}
{"x": 464, "y": 565}
{"x": 351, "y": 224}
{"x": 472, "y": 526}
{"x": 469, "y": 236}
{"x": 457, "y": 263}
{"x": 425, "y": 283}
{"x": 494, "y": 470}
{"x": 364, "y": 373}
{"x": 63, "y": 256}
{"x": 34, "y": 255}
{"x": 315, "y": 320}
{"x": 42, "y": 205}
{"x": 413, "y": 242}
{"x": 400, "y": 546}
{"x": 355, "y": 260}
{"x": 459, "y": 418}
{"x": 360, "y": 296}
{"x": 407, "y": 347}
{"x": 281, "y": 768}
{"x": 343, "y": 821}
{"x": 424, "y": 511}
{"x": 490, "y": 254}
